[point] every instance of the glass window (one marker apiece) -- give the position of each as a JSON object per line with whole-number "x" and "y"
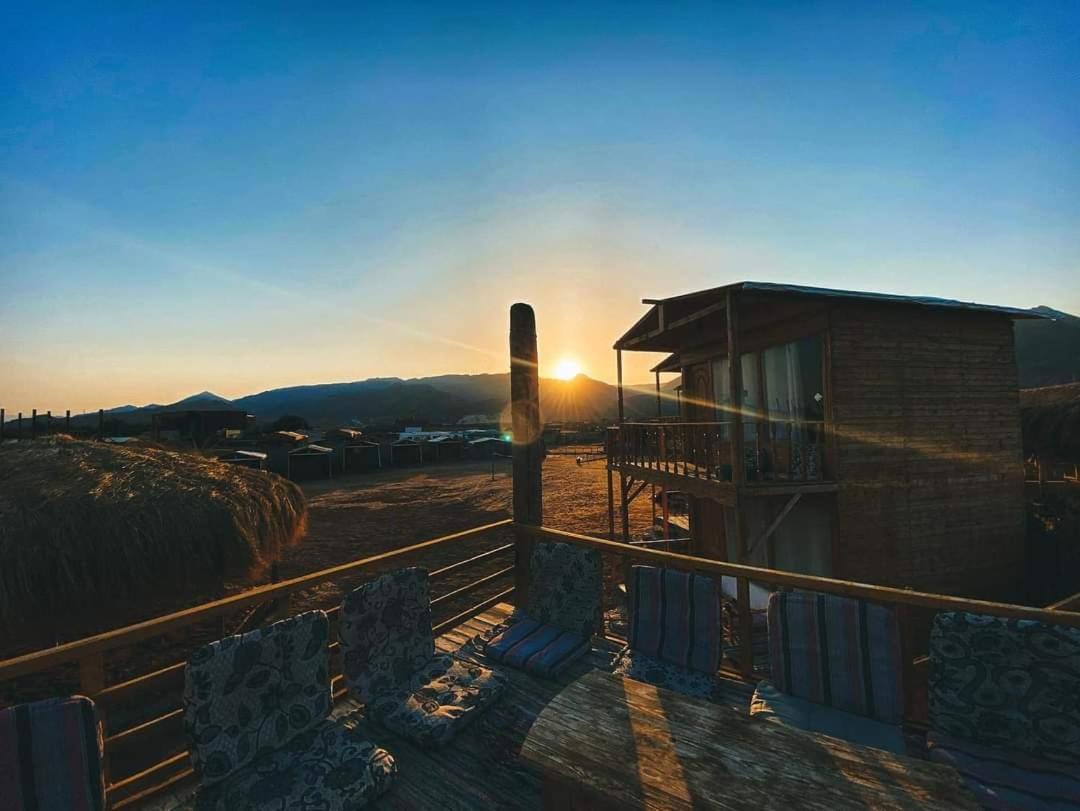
{"x": 793, "y": 382}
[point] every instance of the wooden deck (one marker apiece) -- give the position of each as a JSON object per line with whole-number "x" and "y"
{"x": 481, "y": 768}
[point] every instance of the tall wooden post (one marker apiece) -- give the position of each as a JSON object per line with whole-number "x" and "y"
{"x": 18, "y": 425}
{"x": 659, "y": 405}
{"x": 67, "y": 421}
{"x": 618, "y": 374}
{"x": 735, "y": 385}
{"x": 101, "y": 423}
{"x": 527, "y": 449}
{"x": 33, "y": 423}
{"x": 48, "y": 421}
{"x": 1, "y": 424}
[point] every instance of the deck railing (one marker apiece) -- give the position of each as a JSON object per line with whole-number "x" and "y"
{"x": 773, "y": 451}
{"x": 147, "y": 755}
{"x": 160, "y": 741}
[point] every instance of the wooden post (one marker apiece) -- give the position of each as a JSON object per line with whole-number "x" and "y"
{"x": 67, "y": 421}
{"x": 618, "y": 375}
{"x": 48, "y": 421}
{"x": 527, "y": 451}
{"x": 611, "y": 438}
{"x": 746, "y": 629}
{"x": 735, "y": 386}
{"x": 1, "y": 425}
{"x": 101, "y": 423}
{"x": 18, "y": 426}
{"x": 659, "y": 404}
{"x": 33, "y": 423}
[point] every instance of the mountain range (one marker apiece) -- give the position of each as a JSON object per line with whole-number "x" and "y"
{"x": 1047, "y": 353}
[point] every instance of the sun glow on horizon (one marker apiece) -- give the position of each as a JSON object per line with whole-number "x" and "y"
{"x": 567, "y": 369}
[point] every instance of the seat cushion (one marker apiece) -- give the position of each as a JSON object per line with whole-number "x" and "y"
{"x": 1007, "y": 684}
{"x": 440, "y": 700}
{"x": 770, "y": 704}
{"x": 564, "y": 587}
{"x": 385, "y": 632}
{"x": 255, "y": 691}
{"x": 675, "y": 616}
{"x": 330, "y": 767}
{"x": 1004, "y": 780}
{"x": 837, "y": 651}
{"x": 544, "y": 650}
{"x": 50, "y": 756}
{"x": 641, "y": 667}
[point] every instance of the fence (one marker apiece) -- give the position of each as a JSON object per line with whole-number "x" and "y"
{"x": 15, "y": 429}
{"x": 146, "y": 756}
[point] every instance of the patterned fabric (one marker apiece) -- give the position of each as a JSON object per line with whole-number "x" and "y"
{"x": 543, "y": 650}
{"x": 385, "y": 632}
{"x": 837, "y": 651}
{"x": 770, "y": 704}
{"x": 1007, "y": 684}
{"x": 439, "y": 700}
{"x": 50, "y": 756}
{"x": 641, "y": 667}
{"x": 254, "y": 692}
{"x": 330, "y": 768}
{"x": 564, "y": 587}
{"x": 675, "y": 617}
{"x": 1004, "y": 781}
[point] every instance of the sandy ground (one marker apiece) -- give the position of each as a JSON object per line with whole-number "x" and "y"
{"x": 352, "y": 517}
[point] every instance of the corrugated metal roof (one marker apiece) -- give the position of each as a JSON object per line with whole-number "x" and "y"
{"x": 710, "y": 296}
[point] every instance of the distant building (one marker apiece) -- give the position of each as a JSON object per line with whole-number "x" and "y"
{"x": 200, "y": 426}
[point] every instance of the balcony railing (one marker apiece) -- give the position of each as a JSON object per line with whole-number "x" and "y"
{"x": 773, "y": 451}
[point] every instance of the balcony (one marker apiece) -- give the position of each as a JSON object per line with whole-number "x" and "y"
{"x": 700, "y": 457}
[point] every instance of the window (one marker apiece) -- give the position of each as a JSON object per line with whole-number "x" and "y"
{"x": 793, "y": 382}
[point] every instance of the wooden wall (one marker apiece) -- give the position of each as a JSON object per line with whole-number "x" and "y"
{"x": 928, "y": 454}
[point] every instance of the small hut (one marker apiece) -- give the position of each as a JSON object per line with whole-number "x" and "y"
{"x": 243, "y": 458}
{"x": 310, "y": 462}
{"x": 404, "y": 452}
{"x": 444, "y": 448}
{"x": 352, "y": 452}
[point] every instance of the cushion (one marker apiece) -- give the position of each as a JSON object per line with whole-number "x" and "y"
{"x": 1002, "y": 780}
{"x": 1007, "y": 684}
{"x": 50, "y": 756}
{"x": 329, "y": 767}
{"x": 675, "y": 616}
{"x": 439, "y": 700}
{"x": 564, "y": 587}
{"x": 837, "y": 651}
{"x": 544, "y": 650}
{"x": 641, "y": 667}
{"x": 253, "y": 692}
{"x": 385, "y": 632}
{"x": 770, "y": 704}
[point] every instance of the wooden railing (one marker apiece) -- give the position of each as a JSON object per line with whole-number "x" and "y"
{"x": 915, "y": 608}
{"x": 147, "y": 756}
{"x": 787, "y": 451}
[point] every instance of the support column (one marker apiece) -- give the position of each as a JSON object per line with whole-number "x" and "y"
{"x": 735, "y": 385}
{"x": 618, "y": 373}
{"x": 527, "y": 451}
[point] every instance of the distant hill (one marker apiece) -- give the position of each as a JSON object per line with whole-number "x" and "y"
{"x": 1048, "y": 351}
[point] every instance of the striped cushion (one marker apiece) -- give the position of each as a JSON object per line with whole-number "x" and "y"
{"x": 1002, "y": 780}
{"x": 676, "y": 618}
{"x": 837, "y": 651}
{"x": 545, "y": 650}
{"x": 50, "y": 756}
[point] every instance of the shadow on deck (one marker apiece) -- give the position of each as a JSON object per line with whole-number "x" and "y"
{"x": 480, "y": 768}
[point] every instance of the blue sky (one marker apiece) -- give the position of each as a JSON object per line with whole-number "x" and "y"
{"x": 237, "y": 198}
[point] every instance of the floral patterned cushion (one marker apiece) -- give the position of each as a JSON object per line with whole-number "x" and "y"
{"x": 385, "y": 632}
{"x": 439, "y": 700}
{"x": 641, "y": 667}
{"x": 1009, "y": 684}
{"x": 564, "y": 587}
{"x": 251, "y": 693}
{"x": 330, "y": 768}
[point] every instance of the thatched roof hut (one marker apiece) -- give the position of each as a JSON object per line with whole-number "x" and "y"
{"x": 89, "y": 523}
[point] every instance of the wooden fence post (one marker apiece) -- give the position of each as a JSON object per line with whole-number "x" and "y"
{"x": 67, "y": 421}
{"x": 527, "y": 452}
{"x": 1, "y": 424}
{"x": 33, "y": 423}
{"x": 101, "y": 423}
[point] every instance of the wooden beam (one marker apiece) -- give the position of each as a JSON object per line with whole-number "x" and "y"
{"x": 527, "y": 451}
{"x": 764, "y": 536}
{"x": 618, "y": 376}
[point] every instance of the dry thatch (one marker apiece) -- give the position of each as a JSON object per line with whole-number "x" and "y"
{"x": 86, "y": 523}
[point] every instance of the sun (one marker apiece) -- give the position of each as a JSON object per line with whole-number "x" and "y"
{"x": 567, "y": 369}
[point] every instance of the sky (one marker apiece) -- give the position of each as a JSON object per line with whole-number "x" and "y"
{"x": 236, "y": 198}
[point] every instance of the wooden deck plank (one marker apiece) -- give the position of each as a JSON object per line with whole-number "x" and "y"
{"x": 480, "y": 768}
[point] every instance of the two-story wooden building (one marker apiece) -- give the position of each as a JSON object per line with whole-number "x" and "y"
{"x": 861, "y": 436}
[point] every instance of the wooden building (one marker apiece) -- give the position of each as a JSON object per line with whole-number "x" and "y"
{"x": 860, "y": 436}
{"x": 353, "y": 453}
{"x": 310, "y": 462}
